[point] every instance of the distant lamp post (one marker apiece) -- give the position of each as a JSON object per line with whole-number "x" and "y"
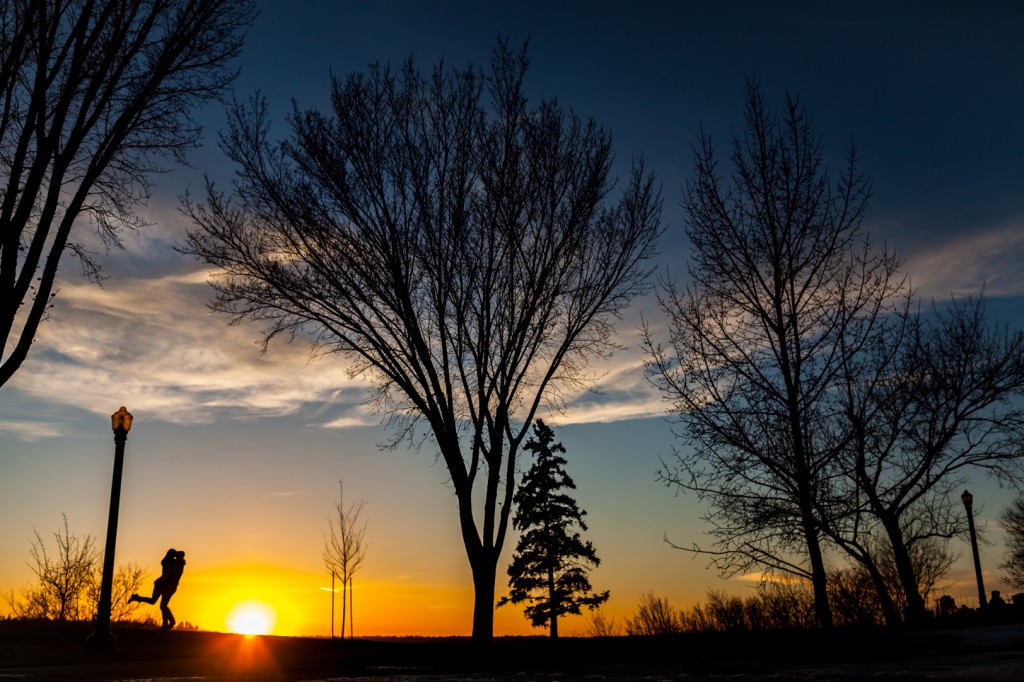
{"x": 102, "y": 639}
{"x": 968, "y": 500}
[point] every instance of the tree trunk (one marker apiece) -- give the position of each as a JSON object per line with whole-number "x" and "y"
{"x": 916, "y": 609}
{"x": 484, "y": 567}
{"x": 802, "y": 474}
{"x": 550, "y": 551}
{"x": 343, "y": 605}
{"x": 889, "y": 612}
{"x": 819, "y": 578}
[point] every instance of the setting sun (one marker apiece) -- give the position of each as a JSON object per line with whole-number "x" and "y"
{"x": 251, "y": 618}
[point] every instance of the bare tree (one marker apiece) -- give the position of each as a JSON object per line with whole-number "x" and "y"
{"x": 1012, "y": 519}
{"x": 783, "y": 284}
{"x": 29, "y": 603}
{"x": 951, "y": 405}
{"x": 345, "y": 548}
{"x": 64, "y": 572}
{"x": 42, "y": 601}
{"x": 460, "y": 251}
{"x": 128, "y": 580}
{"x": 92, "y": 94}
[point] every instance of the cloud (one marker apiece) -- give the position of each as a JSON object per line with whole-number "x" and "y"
{"x": 151, "y": 343}
{"x": 147, "y": 340}
{"x": 365, "y": 419}
{"x": 992, "y": 259}
{"x": 622, "y": 393}
{"x": 31, "y": 431}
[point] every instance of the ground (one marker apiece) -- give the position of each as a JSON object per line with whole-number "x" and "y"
{"x": 979, "y": 654}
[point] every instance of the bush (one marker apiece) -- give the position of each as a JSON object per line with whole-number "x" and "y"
{"x": 601, "y": 625}
{"x": 654, "y": 616}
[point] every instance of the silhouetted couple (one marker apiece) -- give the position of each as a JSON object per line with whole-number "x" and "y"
{"x": 166, "y": 585}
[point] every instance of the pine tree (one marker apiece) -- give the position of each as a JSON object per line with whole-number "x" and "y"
{"x": 550, "y": 565}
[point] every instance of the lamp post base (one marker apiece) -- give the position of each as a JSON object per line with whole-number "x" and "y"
{"x": 100, "y": 641}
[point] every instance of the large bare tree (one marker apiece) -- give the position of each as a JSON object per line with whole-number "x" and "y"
{"x": 783, "y": 284}
{"x": 457, "y": 246}
{"x": 948, "y": 406}
{"x": 93, "y": 94}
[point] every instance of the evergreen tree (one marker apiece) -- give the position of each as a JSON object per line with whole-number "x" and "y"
{"x": 550, "y": 565}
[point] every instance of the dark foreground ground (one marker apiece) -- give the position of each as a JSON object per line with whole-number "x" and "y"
{"x": 978, "y": 654}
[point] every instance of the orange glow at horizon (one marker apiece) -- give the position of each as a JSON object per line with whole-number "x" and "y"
{"x": 239, "y": 597}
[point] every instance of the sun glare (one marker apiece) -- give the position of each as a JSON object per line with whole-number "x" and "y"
{"x": 251, "y": 617}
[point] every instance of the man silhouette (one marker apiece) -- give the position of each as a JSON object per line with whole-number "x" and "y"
{"x": 164, "y": 587}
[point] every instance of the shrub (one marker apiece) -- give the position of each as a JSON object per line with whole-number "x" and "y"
{"x": 654, "y": 616}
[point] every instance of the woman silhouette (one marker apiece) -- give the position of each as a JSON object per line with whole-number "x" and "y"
{"x": 164, "y": 587}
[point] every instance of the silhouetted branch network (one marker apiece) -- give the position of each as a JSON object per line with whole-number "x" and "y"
{"x": 462, "y": 250}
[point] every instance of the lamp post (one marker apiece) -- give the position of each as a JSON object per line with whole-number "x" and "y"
{"x": 102, "y": 639}
{"x": 968, "y": 500}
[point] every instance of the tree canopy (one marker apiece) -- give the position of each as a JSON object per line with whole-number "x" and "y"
{"x": 93, "y": 94}
{"x": 463, "y": 251}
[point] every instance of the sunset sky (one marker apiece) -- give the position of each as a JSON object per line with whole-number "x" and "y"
{"x": 235, "y": 457}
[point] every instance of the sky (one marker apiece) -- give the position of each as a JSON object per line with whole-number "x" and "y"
{"x": 235, "y": 456}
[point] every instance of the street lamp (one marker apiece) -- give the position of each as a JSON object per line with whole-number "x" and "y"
{"x": 968, "y": 500}
{"x": 101, "y": 639}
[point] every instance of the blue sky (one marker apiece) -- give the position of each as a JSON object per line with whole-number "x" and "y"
{"x": 236, "y": 455}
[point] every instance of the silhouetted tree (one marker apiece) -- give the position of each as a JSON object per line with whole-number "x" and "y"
{"x": 948, "y": 405}
{"x": 92, "y": 94}
{"x": 345, "y": 548}
{"x": 65, "y": 572}
{"x": 1012, "y": 519}
{"x": 549, "y": 570}
{"x": 461, "y": 251}
{"x": 128, "y": 580}
{"x": 28, "y": 604}
{"x": 854, "y": 596}
{"x": 68, "y": 581}
{"x": 784, "y": 284}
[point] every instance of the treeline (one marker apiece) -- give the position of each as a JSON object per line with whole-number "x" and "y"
{"x": 773, "y": 606}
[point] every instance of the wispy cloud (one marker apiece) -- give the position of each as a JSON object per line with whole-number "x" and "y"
{"x": 151, "y": 342}
{"x": 992, "y": 258}
{"x": 146, "y": 339}
{"x": 622, "y": 393}
{"x": 31, "y": 431}
{"x": 364, "y": 419}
